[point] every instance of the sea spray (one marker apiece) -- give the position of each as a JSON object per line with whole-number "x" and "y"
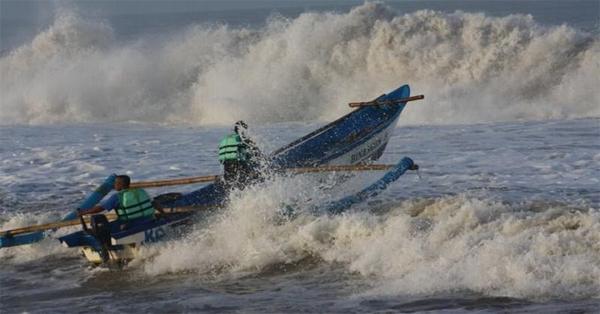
{"x": 27, "y": 253}
{"x": 420, "y": 246}
{"x": 495, "y": 201}
{"x": 463, "y": 243}
{"x": 472, "y": 67}
{"x": 249, "y": 235}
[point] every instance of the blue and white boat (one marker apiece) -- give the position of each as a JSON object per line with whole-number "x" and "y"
{"x": 117, "y": 246}
{"x": 356, "y": 138}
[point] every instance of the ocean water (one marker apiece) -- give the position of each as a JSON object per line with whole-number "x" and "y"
{"x": 504, "y": 215}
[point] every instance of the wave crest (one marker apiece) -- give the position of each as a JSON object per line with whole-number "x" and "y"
{"x": 534, "y": 251}
{"x": 472, "y": 67}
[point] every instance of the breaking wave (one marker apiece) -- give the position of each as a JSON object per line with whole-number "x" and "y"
{"x": 26, "y": 253}
{"x": 419, "y": 246}
{"x": 472, "y": 67}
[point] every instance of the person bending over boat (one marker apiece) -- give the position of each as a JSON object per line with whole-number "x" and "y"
{"x": 240, "y": 157}
{"x": 132, "y": 205}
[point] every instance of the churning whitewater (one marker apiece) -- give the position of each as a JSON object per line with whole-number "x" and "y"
{"x": 424, "y": 246}
{"x": 473, "y": 67}
{"x": 504, "y": 213}
{"x": 485, "y": 217}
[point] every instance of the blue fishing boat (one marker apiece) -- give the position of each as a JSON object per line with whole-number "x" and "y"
{"x": 359, "y": 137}
{"x": 119, "y": 247}
{"x": 99, "y": 244}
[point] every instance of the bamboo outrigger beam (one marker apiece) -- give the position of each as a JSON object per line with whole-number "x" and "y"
{"x": 170, "y": 182}
{"x": 182, "y": 181}
{"x": 386, "y": 102}
{"x": 204, "y": 179}
{"x": 52, "y": 225}
{"x": 340, "y": 168}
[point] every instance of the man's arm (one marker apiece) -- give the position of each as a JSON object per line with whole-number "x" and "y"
{"x": 252, "y": 148}
{"x": 93, "y": 210}
{"x": 158, "y": 207}
{"x": 109, "y": 204}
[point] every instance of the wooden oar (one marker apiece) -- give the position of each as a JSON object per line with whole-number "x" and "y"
{"x": 202, "y": 179}
{"x": 180, "y": 181}
{"x": 385, "y": 102}
{"x": 47, "y": 226}
{"x": 169, "y": 182}
{"x": 74, "y": 222}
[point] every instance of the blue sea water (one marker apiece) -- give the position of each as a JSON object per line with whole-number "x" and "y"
{"x": 505, "y": 216}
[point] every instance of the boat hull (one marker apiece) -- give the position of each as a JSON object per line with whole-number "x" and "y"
{"x": 358, "y": 137}
{"x": 125, "y": 245}
{"x": 354, "y": 138}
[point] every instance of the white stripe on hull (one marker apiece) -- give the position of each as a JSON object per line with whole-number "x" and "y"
{"x": 366, "y": 149}
{"x": 132, "y": 242}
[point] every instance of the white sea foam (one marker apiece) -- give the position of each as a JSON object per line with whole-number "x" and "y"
{"x": 421, "y": 246}
{"x": 25, "y": 253}
{"x": 526, "y": 227}
{"x": 472, "y": 68}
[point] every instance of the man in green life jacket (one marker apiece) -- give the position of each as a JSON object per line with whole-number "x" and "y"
{"x": 132, "y": 205}
{"x": 240, "y": 158}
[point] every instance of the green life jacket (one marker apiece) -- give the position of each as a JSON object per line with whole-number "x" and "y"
{"x": 134, "y": 203}
{"x": 232, "y": 148}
